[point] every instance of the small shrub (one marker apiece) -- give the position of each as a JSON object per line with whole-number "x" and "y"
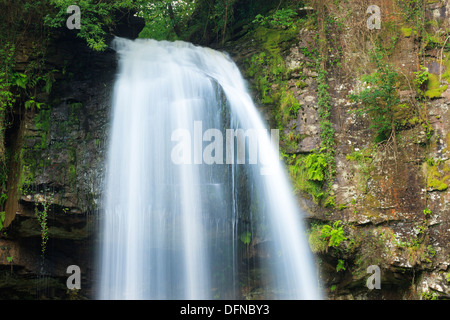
{"x": 379, "y": 98}
{"x": 340, "y": 265}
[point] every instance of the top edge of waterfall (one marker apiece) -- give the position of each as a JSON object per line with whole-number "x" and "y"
{"x": 123, "y": 45}
{"x": 215, "y": 64}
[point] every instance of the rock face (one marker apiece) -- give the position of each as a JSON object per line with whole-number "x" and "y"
{"x": 392, "y": 199}
{"x": 62, "y": 147}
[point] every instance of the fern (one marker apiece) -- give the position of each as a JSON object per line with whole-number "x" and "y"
{"x": 315, "y": 165}
{"x": 334, "y": 234}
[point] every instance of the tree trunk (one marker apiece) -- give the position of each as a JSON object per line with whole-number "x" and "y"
{"x": 176, "y": 27}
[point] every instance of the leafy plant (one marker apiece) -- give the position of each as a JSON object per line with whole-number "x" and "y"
{"x": 340, "y": 266}
{"x": 246, "y": 237}
{"x": 42, "y": 216}
{"x": 315, "y": 166}
{"x": 165, "y": 19}
{"x": 429, "y": 296}
{"x": 334, "y": 234}
{"x": 379, "y": 97}
{"x": 316, "y": 242}
{"x": 282, "y": 18}
{"x": 421, "y": 80}
{"x": 2, "y": 219}
{"x": 96, "y": 17}
{"x": 326, "y": 127}
{"x": 307, "y": 173}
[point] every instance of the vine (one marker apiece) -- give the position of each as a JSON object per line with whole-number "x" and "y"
{"x": 326, "y": 127}
{"x": 42, "y": 217}
{"x": 324, "y": 104}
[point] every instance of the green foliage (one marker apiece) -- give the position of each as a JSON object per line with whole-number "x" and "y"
{"x": 166, "y": 19}
{"x": 258, "y": 68}
{"x": 307, "y": 173}
{"x": 438, "y": 175}
{"x": 281, "y": 18}
{"x": 315, "y": 240}
{"x": 8, "y": 78}
{"x": 269, "y": 71}
{"x": 329, "y": 202}
{"x": 2, "y": 219}
{"x": 315, "y": 166}
{"x": 421, "y": 80}
{"x": 413, "y": 14}
{"x": 379, "y": 98}
{"x": 289, "y": 106}
{"x": 340, "y": 266}
{"x": 42, "y": 216}
{"x": 246, "y": 237}
{"x": 434, "y": 87}
{"x": 334, "y": 234}
{"x": 429, "y": 296}
{"x": 96, "y": 16}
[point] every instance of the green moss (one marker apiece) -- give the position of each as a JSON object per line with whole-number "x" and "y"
{"x": 275, "y": 40}
{"x": 437, "y": 179}
{"x": 436, "y": 184}
{"x": 406, "y": 32}
{"x": 405, "y": 115}
{"x": 316, "y": 242}
{"x": 307, "y": 174}
{"x": 289, "y": 106}
{"x": 269, "y": 73}
{"x": 434, "y": 88}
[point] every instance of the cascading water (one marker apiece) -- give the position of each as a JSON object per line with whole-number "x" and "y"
{"x": 184, "y": 217}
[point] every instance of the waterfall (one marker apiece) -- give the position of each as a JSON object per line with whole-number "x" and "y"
{"x": 191, "y": 210}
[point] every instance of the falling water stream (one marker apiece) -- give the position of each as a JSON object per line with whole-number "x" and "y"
{"x": 184, "y": 217}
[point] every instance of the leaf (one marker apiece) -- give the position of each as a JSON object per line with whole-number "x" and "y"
{"x": 2, "y": 219}
{"x": 29, "y": 104}
{"x": 246, "y": 237}
{"x": 21, "y": 83}
{"x": 340, "y": 265}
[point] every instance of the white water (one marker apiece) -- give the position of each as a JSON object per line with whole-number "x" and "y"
{"x": 173, "y": 231}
